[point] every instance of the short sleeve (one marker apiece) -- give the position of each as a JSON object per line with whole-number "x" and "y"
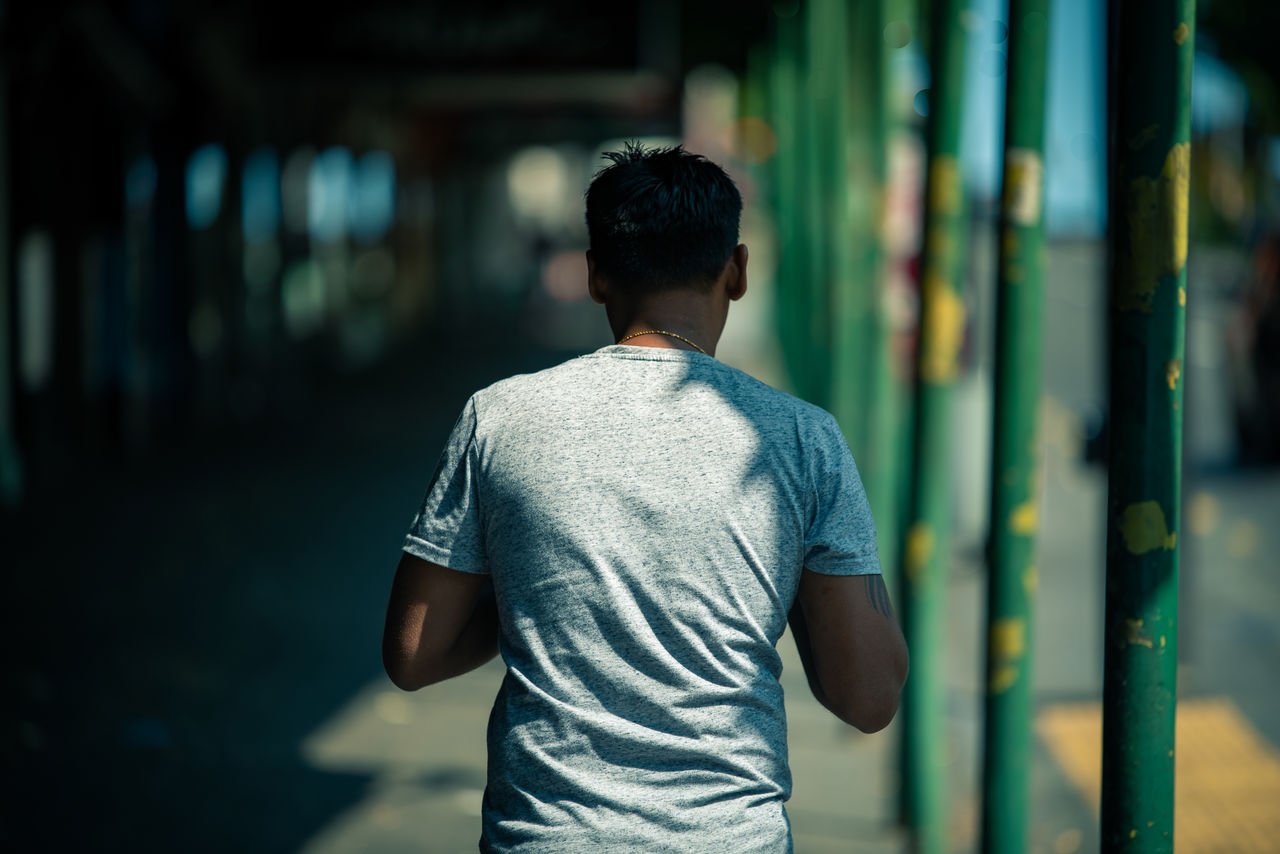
{"x": 447, "y": 529}
{"x": 841, "y": 539}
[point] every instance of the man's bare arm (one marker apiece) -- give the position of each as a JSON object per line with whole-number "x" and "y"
{"x": 440, "y": 623}
{"x": 853, "y": 652}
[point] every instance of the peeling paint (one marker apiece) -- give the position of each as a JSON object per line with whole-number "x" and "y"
{"x": 1008, "y": 637}
{"x": 942, "y": 330}
{"x": 1157, "y": 214}
{"x": 1182, "y": 296}
{"x": 1181, "y": 34}
{"x": 919, "y": 549}
{"x": 1134, "y": 636}
{"x": 1023, "y": 185}
{"x": 944, "y": 185}
{"x": 1162, "y": 639}
{"x": 1030, "y": 580}
{"x": 1172, "y": 370}
{"x": 1002, "y": 679}
{"x": 1024, "y": 518}
{"x": 1144, "y": 529}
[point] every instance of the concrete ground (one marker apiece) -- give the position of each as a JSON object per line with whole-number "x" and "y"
{"x": 193, "y": 653}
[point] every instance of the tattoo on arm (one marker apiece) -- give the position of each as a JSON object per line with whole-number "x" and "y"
{"x": 877, "y": 595}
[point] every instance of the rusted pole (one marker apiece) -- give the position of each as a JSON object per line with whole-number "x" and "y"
{"x": 926, "y": 551}
{"x": 1150, "y": 150}
{"x": 1016, "y": 452}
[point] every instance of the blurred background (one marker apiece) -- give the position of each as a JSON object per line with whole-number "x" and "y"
{"x": 255, "y": 256}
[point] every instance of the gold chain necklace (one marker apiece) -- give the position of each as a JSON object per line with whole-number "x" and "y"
{"x": 627, "y": 338}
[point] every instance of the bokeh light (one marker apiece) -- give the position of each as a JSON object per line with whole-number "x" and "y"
{"x": 206, "y": 178}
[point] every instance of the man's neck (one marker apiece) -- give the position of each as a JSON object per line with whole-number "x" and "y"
{"x": 671, "y": 321}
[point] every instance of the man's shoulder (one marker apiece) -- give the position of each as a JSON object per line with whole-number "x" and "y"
{"x": 761, "y": 395}
{"x": 520, "y": 386}
{"x": 519, "y": 393}
{"x": 748, "y": 385}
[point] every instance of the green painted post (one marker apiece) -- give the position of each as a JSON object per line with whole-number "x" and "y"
{"x": 894, "y": 414}
{"x": 845, "y": 53}
{"x": 822, "y": 122}
{"x": 1150, "y": 149}
{"x": 793, "y": 284}
{"x": 781, "y": 96}
{"x": 892, "y": 26}
{"x": 1016, "y": 453}
{"x": 860, "y": 355}
{"x": 927, "y": 546}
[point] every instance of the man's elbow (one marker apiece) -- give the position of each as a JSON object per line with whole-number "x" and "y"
{"x": 872, "y": 707}
{"x": 405, "y": 681}
{"x": 872, "y": 717}
{"x": 405, "y": 672}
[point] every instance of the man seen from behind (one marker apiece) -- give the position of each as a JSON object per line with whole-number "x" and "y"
{"x": 632, "y": 530}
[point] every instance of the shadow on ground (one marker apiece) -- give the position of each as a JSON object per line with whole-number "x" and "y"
{"x": 177, "y": 625}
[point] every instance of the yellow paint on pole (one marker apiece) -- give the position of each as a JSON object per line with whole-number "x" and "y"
{"x": 1002, "y": 678}
{"x": 1172, "y": 370}
{"x": 1024, "y": 518}
{"x": 1157, "y": 230}
{"x": 944, "y": 185}
{"x": 1144, "y": 528}
{"x": 1007, "y": 644}
{"x": 1023, "y": 185}
{"x": 1182, "y": 296}
{"x": 1181, "y": 33}
{"x": 1133, "y": 634}
{"x": 941, "y": 330}
{"x": 919, "y": 549}
{"x": 1008, "y": 637}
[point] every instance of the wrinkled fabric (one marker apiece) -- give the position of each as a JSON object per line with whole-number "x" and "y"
{"x": 645, "y": 515}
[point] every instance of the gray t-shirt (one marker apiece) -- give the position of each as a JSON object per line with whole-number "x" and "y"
{"x": 645, "y": 515}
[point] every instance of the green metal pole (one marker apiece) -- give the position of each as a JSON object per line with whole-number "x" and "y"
{"x": 902, "y": 31}
{"x": 859, "y": 352}
{"x": 1150, "y": 132}
{"x": 892, "y": 28}
{"x": 925, "y": 552}
{"x": 850, "y": 232}
{"x": 1016, "y": 453}
{"x": 793, "y": 283}
{"x": 823, "y": 121}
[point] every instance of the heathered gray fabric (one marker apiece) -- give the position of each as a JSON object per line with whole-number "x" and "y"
{"x": 645, "y": 514}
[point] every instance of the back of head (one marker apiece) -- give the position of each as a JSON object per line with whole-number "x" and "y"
{"x": 661, "y": 218}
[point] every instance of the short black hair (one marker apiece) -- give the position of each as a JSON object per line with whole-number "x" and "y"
{"x": 661, "y": 218}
